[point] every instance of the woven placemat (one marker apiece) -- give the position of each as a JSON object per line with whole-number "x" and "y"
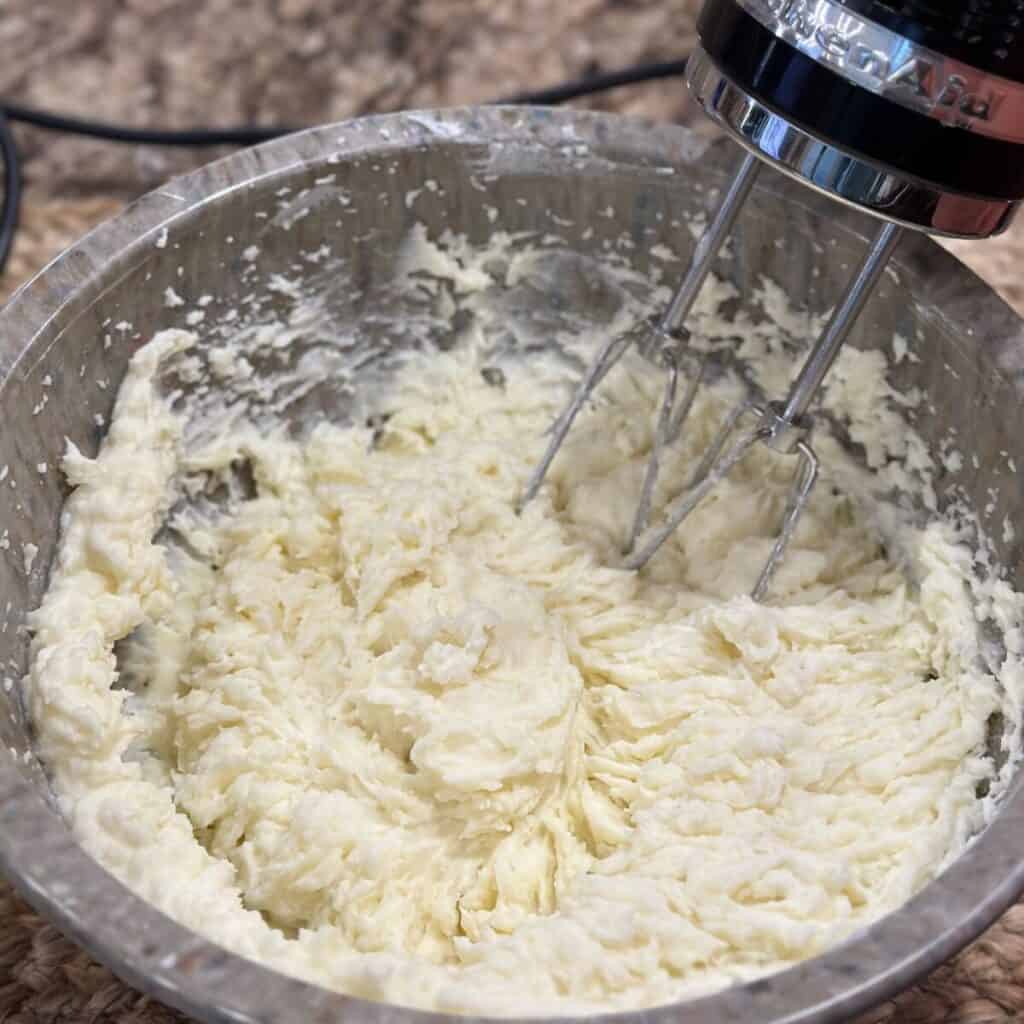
{"x": 45, "y": 978}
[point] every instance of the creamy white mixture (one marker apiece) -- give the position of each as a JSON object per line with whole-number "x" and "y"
{"x": 393, "y": 738}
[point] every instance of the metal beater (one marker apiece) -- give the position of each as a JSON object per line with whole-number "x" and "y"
{"x": 913, "y": 114}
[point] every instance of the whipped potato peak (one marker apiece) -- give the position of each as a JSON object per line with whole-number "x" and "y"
{"x": 362, "y": 722}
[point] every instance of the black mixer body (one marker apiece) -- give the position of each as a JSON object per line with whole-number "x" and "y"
{"x": 911, "y": 109}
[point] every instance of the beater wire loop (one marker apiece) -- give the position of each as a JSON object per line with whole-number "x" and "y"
{"x": 654, "y": 340}
{"x": 783, "y": 426}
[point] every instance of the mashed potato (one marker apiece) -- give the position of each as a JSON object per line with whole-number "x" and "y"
{"x": 388, "y": 736}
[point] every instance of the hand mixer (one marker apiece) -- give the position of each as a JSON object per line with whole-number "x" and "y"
{"x": 912, "y": 110}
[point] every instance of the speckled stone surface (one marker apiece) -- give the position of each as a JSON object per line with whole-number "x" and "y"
{"x": 178, "y": 63}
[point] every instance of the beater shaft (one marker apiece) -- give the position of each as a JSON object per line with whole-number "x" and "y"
{"x": 710, "y": 242}
{"x": 660, "y": 335}
{"x": 844, "y": 316}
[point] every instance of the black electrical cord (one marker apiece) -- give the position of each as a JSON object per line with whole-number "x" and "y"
{"x": 247, "y": 135}
{"x": 10, "y": 210}
{"x": 599, "y": 83}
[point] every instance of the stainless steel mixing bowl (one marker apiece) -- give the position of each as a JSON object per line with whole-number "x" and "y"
{"x": 602, "y": 183}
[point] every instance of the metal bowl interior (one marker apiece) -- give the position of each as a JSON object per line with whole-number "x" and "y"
{"x": 602, "y": 184}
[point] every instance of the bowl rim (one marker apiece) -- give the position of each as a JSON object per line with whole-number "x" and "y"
{"x": 178, "y": 967}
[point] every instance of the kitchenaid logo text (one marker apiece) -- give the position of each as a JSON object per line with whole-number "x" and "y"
{"x": 882, "y": 61}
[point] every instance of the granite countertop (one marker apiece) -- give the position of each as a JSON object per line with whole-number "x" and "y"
{"x": 179, "y": 63}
